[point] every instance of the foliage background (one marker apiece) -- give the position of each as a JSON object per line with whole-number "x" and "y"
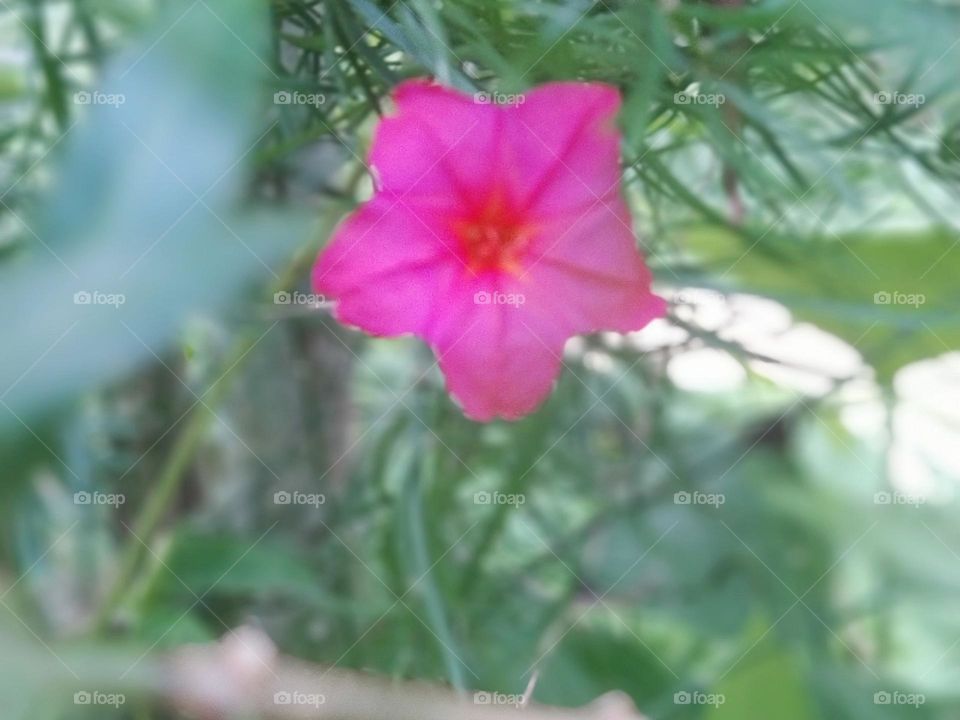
{"x": 779, "y": 381}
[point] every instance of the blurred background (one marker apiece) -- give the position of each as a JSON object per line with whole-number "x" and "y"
{"x": 748, "y": 510}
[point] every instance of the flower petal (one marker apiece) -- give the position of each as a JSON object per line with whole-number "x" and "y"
{"x": 588, "y": 275}
{"x": 440, "y": 144}
{"x": 384, "y": 266}
{"x": 494, "y": 365}
{"x": 566, "y": 146}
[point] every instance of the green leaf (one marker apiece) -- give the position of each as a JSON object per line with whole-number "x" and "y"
{"x": 145, "y": 211}
{"x": 590, "y": 661}
{"x": 768, "y": 684}
{"x": 893, "y": 296}
{"x": 207, "y": 564}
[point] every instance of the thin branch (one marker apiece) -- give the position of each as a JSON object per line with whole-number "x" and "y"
{"x": 244, "y": 673}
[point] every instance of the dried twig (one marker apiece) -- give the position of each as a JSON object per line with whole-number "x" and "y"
{"x": 243, "y": 674}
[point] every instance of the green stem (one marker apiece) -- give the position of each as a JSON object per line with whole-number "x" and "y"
{"x": 433, "y": 598}
{"x": 56, "y": 90}
{"x": 164, "y": 490}
{"x": 531, "y": 439}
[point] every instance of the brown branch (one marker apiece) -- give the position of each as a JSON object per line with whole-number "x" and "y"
{"x": 244, "y": 675}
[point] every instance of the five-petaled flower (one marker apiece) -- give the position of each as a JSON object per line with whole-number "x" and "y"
{"x": 495, "y": 233}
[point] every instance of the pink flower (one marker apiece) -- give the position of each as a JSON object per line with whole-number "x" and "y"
{"x": 496, "y": 232}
